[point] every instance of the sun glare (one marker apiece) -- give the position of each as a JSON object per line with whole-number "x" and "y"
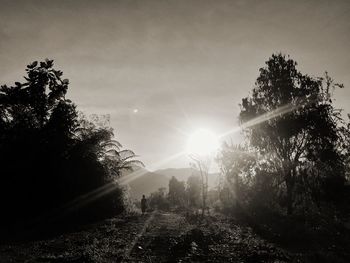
{"x": 202, "y": 142}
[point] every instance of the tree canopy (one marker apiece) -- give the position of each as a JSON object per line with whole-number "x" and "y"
{"x": 290, "y": 121}
{"x": 49, "y": 153}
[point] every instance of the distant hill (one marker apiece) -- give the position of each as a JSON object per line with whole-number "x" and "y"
{"x": 145, "y": 182}
{"x": 182, "y": 174}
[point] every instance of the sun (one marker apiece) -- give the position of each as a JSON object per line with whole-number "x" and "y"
{"x": 202, "y": 142}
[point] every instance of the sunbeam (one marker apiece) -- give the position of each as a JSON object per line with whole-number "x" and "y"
{"x": 264, "y": 117}
{"x": 138, "y": 173}
{"x": 99, "y": 192}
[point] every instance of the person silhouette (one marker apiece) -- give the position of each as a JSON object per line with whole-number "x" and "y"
{"x": 143, "y": 204}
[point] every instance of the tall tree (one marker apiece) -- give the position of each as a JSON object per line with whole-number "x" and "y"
{"x": 176, "y": 191}
{"x": 48, "y": 155}
{"x": 290, "y": 119}
{"x": 237, "y": 165}
{"x": 193, "y": 190}
{"x": 37, "y": 123}
{"x": 202, "y": 164}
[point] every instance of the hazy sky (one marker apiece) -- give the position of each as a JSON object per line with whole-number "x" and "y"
{"x": 183, "y": 64}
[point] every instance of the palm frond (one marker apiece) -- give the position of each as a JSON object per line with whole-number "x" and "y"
{"x": 127, "y": 153}
{"x": 113, "y": 152}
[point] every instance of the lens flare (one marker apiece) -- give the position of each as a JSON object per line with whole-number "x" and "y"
{"x": 202, "y": 142}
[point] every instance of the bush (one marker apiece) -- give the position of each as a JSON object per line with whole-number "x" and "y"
{"x": 51, "y": 158}
{"x": 158, "y": 200}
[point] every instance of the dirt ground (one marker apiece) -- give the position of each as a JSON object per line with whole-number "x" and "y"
{"x": 155, "y": 237}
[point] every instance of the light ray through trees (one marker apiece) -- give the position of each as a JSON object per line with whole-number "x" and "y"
{"x": 89, "y": 197}
{"x": 264, "y": 117}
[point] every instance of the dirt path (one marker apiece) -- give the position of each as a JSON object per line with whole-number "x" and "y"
{"x": 171, "y": 237}
{"x": 156, "y": 237}
{"x": 160, "y": 234}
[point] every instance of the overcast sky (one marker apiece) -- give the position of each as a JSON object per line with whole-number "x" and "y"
{"x": 183, "y": 64}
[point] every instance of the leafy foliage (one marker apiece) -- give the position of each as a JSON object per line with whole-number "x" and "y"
{"x": 237, "y": 166}
{"x": 159, "y": 200}
{"x": 193, "y": 190}
{"x": 176, "y": 194}
{"x": 296, "y": 133}
{"x": 49, "y": 155}
{"x": 202, "y": 164}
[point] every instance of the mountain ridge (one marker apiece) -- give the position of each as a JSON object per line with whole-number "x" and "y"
{"x": 148, "y": 182}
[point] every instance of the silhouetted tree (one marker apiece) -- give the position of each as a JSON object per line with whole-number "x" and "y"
{"x": 48, "y": 155}
{"x": 36, "y": 123}
{"x": 346, "y": 146}
{"x": 158, "y": 200}
{"x": 176, "y": 191}
{"x": 238, "y": 166}
{"x": 202, "y": 164}
{"x": 290, "y": 119}
{"x": 193, "y": 190}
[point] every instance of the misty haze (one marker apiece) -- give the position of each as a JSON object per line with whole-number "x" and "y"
{"x": 175, "y": 131}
